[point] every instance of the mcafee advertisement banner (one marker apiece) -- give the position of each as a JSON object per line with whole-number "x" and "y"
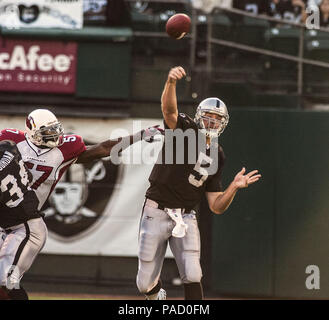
{"x": 37, "y": 66}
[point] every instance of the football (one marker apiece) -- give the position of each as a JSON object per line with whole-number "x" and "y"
{"x": 178, "y": 25}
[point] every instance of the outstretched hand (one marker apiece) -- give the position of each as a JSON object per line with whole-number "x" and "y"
{"x": 242, "y": 180}
{"x": 149, "y": 133}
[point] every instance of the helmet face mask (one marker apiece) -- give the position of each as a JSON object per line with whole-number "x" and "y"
{"x": 43, "y": 129}
{"x": 212, "y": 127}
{"x": 50, "y": 136}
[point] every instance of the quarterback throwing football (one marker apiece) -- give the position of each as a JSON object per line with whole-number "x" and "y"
{"x": 176, "y": 188}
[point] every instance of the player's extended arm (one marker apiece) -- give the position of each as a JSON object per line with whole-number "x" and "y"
{"x": 169, "y": 99}
{"x": 220, "y": 201}
{"x": 104, "y": 148}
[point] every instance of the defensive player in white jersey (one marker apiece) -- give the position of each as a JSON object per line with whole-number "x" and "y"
{"x": 47, "y": 153}
{"x": 176, "y": 189}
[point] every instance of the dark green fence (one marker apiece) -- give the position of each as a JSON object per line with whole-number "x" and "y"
{"x": 277, "y": 227}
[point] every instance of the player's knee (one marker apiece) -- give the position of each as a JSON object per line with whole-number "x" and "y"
{"x": 143, "y": 287}
{"x": 193, "y": 278}
{"x": 144, "y": 283}
{"x": 43, "y": 235}
{"x": 193, "y": 274}
{"x": 40, "y": 231}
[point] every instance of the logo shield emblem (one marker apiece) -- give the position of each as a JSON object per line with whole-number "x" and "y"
{"x": 79, "y": 199}
{"x": 28, "y": 14}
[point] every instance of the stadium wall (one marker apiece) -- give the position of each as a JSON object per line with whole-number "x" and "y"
{"x": 276, "y": 228}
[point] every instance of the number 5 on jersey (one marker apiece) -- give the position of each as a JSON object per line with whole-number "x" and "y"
{"x": 202, "y": 171}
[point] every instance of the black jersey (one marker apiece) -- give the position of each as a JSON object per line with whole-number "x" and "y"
{"x": 18, "y": 203}
{"x": 180, "y": 184}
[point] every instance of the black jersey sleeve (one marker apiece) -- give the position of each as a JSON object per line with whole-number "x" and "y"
{"x": 9, "y": 146}
{"x": 184, "y": 122}
{"x": 214, "y": 184}
{"x": 18, "y": 203}
{"x": 12, "y": 168}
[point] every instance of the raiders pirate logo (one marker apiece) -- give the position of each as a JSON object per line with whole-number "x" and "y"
{"x": 28, "y": 14}
{"x": 79, "y": 199}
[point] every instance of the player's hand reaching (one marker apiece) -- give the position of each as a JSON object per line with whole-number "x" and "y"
{"x": 149, "y": 133}
{"x": 242, "y": 180}
{"x": 175, "y": 74}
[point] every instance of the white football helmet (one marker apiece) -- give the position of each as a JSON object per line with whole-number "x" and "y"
{"x": 43, "y": 128}
{"x": 211, "y": 127}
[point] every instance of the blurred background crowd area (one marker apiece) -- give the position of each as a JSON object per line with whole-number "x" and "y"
{"x": 260, "y": 49}
{"x": 292, "y": 10}
{"x": 262, "y": 80}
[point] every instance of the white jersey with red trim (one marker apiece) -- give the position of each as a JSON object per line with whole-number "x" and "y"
{"x": 46, "y": 165}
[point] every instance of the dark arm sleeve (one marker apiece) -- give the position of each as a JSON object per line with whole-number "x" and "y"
{"x": 214, "y": 184}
